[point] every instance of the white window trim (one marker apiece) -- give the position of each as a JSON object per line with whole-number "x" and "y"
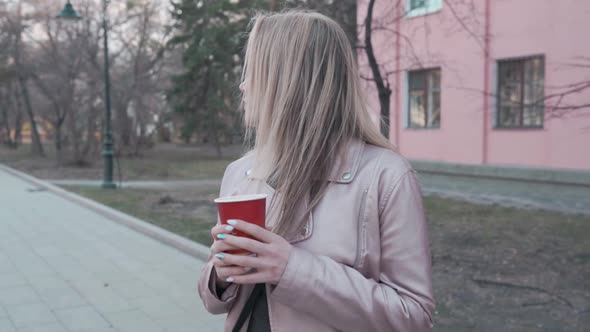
{"x": 405, "y": 100}
{"x": 432, "y": 6}
{"x": 494, "y": 94}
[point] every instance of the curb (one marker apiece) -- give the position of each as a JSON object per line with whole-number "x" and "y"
{"x": 168, "y": 238}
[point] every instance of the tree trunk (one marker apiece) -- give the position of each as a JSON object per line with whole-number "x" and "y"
{"x": 384, "y": 103}
{"x": 5, "y": 131}
{"x": 216, "y": 141}
{"x": 77, "y": 136}
{"x": 91, "y": 143}
{"x": 18, "y": 123}
{"x": 58, "y": 143}
{"x": 18, "y": 126}
{"x": 273, "y": 5}
{"x": 36, "y": 147}
{"x": 383, "y": 88}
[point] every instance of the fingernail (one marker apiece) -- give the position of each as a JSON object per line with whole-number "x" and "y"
{"x": 229, "y": 228}
{"x": 248, "y": 269}
{"x": 232, "y": 222}
{"x": 230, "y": 279}
{"x": 221, "y": 236}
{"x": 220, "y": 256}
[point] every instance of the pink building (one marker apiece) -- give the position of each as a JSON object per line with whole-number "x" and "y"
{"x": 521, "y": 105}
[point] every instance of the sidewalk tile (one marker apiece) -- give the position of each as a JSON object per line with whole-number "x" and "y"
{"x": 61, "y": 298}
{"x": 158, "y": 307}
{"x": 46, "y": 250}
{"x": 81, "y": 318}
{"x": 191, "y": 323}
{"x": 6, "y": 325}
{"x": 9, "y": 280}
{"x": 3, "y": 312}
{"x": 6, "y": 265}
{"x": 132, "y": 289}
{"x": 52, "y": 327}
{"x": 31, "y": 314}
{"x": 133, "y": 321}
{"x": 18, "y": 295}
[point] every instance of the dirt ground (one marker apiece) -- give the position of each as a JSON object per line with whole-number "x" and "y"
{"x": 494, "y": 268}
{"x": 501, "y": 269}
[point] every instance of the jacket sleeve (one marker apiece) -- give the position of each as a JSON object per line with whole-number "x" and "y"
{"x": 402, "y": 298}
{"x": 214, "y": 302}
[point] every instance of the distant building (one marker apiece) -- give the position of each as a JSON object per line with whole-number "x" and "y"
{"x": 525, "y": 104}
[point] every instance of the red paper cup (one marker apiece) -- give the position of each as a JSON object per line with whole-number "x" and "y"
{"x": 249, "y": 208}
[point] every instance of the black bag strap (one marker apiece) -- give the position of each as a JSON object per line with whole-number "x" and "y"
{"x": 248, "y": 307}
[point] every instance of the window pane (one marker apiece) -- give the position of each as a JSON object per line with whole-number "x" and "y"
{"x": 434, "y": 98}
{"x": 434, "y": 110}
{"x": 414, "y": 4}
{"x": 424, "y": 94}
{"x": 533, "y": 116}
{"x": 510, "y": 116}
{"x": 417, "y": 112}
{"x": 534, "y": 78}
{"x": 435, "y": 80}
{"x": 510, "y": 94}
{"x": 418, "y": 80}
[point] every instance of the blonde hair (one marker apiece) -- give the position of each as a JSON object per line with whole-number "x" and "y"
{"x": 304, "y": 101}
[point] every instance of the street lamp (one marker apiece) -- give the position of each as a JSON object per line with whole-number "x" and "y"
{"x": 70, "y": 14}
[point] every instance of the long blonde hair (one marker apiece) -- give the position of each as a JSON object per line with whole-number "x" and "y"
{"x": 303, "y": 102}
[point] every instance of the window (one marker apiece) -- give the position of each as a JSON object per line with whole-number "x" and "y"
{"x": 415, "y": 4}
{"x": 422, "y": 7}
{"x": 521, "y": 91}
{"x": 424, "y": 98}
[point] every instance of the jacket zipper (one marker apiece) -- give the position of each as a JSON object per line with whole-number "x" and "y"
{"x": 361, "y": 230}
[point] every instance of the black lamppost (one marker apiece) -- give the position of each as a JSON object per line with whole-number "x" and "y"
{"x": 70, "y": 14}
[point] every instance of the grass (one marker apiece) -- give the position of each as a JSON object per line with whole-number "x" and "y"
{"x": 492, "y": 223}
{"x": 157, "y": 207}
{"x": 163, "y": 162}
{"x": 473, "y": 225}
{"x": 163, "y": 169}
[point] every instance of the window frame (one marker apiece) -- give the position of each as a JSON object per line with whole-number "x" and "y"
{"x": 427, "y": 91}
{"x": 497, "y": 98}
{"x": 432, "y": 6}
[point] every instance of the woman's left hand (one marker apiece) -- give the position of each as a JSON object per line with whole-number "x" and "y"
{"x": 272, "y": 254}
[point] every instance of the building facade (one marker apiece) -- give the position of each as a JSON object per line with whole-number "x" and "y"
{"x": 485, "y": 81}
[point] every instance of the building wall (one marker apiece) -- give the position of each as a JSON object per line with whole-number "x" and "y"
{"x": 454, "y": 39}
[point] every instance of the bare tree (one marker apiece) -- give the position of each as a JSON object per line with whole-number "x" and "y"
{"x": 14, "y": 24}
{"x": 381, "y": 83}
{"x": 138, "y": 80}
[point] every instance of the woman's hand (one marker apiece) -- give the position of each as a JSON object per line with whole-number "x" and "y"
{"x": 222, "y": 269}
{"x": 272, "y": 254}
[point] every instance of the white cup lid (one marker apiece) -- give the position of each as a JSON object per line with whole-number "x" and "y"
{"x": 239, "y": 198}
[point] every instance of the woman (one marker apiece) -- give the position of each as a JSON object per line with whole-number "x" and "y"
{"x": 346, "y": 247}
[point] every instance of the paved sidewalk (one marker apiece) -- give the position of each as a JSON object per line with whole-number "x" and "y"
{"x": 66, "y": 268}
{"x": 519, "y": 194}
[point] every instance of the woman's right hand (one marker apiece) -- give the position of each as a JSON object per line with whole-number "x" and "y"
{"x": 223, "y": 270}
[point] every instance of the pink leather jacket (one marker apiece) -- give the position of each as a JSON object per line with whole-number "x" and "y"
{"x": 362, "y": 263}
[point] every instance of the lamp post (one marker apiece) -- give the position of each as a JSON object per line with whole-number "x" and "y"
{"x": 70, "y": 14}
